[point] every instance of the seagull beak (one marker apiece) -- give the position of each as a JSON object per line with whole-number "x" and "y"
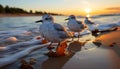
{"x": 38, "y": 21}
{"x": 67, "y": 19}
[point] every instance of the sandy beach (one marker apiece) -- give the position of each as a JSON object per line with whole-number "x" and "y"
{"x": 104, "y": 57}
{"x": 59, "y": 34}
{"x": 84, "y": 55}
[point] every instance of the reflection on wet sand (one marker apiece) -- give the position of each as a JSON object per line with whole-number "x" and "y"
{"x": 58, "y": 63}
{"x": 103, "y": 53}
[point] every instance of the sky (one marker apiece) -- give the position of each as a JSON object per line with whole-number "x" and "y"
{"x": 67, "y": 7}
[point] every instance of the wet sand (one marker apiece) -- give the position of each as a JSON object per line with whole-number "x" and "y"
{"x": 104, "y": 57}
{"x": 58, "y": 62}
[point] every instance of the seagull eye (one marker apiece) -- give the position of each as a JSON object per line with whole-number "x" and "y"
{"x": 46, "y": 18}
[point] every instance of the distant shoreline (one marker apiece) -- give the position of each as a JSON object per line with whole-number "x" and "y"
{"x": 18, "y": 15}
{"x": 21, "y": 15}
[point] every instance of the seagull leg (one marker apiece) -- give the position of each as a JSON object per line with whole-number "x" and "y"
{"x": 72, "y": 37}
{"x": 78, "y": 35}
{"x": 50, "y": 47}
{"x": 58, "y": 45}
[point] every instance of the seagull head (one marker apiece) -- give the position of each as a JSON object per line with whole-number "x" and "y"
{"x": 71, "y": 17}
{"x": 46, "y": 18}
{"x": 86, "y": 18}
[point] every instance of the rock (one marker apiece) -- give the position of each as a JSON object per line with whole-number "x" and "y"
{"x": 51, "y": 54}
{"x": 112, "y": 44}
{"x": 25, "y": 65}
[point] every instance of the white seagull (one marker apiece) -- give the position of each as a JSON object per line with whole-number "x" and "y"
{"x": 91, "y": 25}
{"x": 51, "y": 31}
{"x": 95, "y": 28}
{"x": 74, "y": 25}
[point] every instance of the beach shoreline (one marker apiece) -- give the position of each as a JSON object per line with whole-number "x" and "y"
{"x": 104, "y": 57}
{"x": 22, "y": 15}
{"x": 18, "y": 15}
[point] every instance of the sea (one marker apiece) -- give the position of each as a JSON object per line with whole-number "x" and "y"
{"x": 24, "y": 29}
{"x": 28, "y": 22}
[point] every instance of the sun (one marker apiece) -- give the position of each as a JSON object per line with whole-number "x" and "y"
{"x": 87, "y": 10}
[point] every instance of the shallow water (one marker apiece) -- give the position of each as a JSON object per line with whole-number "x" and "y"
{"x": 24, "y": 29}
{"x": 10, "y": 23}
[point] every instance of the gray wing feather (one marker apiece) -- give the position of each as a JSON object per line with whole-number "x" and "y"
{"x": 89, "y": 22}
{"x": 59, "y": 27}
{"x": 61, "y": 31}
{"x": 81, "y": 24}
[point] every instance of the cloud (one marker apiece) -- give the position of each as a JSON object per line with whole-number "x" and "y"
{"x": 113, "y": 8}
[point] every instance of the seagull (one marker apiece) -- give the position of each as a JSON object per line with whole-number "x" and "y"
{"x": 74, "y": 25}
{"x": 87, "y": 21}
{"x": 53, "y": 32}
{"x": 95, "y": 28}
{"x": 91, "y": 26}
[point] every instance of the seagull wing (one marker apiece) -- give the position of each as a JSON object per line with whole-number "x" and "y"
{"x": 90, "y": 22}
{"x": 59, "y": 27}
{"x": 81, "y": 24}
{"x": 61, "y": 31}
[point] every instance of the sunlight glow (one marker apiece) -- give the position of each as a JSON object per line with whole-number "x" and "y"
{"x": 87, "y": 10}
{"x": 88, "y": 15}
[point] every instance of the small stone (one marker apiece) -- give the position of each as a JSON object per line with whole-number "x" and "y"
{"x": 112, "y": 44}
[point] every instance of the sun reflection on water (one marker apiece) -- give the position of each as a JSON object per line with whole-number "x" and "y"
{"x": 87, "y": 10}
